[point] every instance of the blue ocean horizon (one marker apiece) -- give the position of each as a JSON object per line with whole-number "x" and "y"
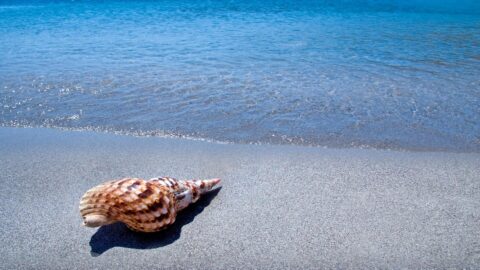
{"x": 381, "y": 74}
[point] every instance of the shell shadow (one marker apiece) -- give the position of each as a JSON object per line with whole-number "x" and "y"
{"x": 118, "y": 235}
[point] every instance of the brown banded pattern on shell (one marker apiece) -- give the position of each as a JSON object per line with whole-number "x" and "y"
{"x": 142, "y": 205}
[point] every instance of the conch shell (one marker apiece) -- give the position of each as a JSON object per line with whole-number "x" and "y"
{"x": 145, "y": 206}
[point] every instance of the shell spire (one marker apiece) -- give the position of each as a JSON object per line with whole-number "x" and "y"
{"x": 145, "y": 206}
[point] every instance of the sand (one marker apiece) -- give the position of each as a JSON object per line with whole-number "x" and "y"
{"x": 279, "y": 207}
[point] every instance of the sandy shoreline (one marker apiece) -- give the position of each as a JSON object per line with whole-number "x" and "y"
{"x": 280, "y": 206}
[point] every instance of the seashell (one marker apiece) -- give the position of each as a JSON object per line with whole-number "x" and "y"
{"x": 145, "y": 206}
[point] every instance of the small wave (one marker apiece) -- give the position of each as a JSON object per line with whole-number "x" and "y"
{"x": 126, "y": 132}
{"x": 17, "y": 7}
{"x": 285, "y": 142}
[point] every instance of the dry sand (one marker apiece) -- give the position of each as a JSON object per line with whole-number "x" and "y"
{"x": 280, "y": 206}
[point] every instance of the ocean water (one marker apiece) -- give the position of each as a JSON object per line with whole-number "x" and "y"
{"x": 383, "y": 74}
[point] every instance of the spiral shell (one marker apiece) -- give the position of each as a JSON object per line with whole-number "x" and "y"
{"x": 145, "y": 206}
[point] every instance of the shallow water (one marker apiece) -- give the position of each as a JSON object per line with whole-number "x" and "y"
{"x": 387, "y": 74}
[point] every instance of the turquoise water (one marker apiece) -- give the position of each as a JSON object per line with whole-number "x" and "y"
{"x": 385, "y": 74}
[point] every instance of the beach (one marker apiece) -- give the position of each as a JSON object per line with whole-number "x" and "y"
{"x": 346, "y": 133}
{"x": 279, "y": 207}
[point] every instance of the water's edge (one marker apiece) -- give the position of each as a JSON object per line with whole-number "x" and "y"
{"x": 161, "y": 135}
